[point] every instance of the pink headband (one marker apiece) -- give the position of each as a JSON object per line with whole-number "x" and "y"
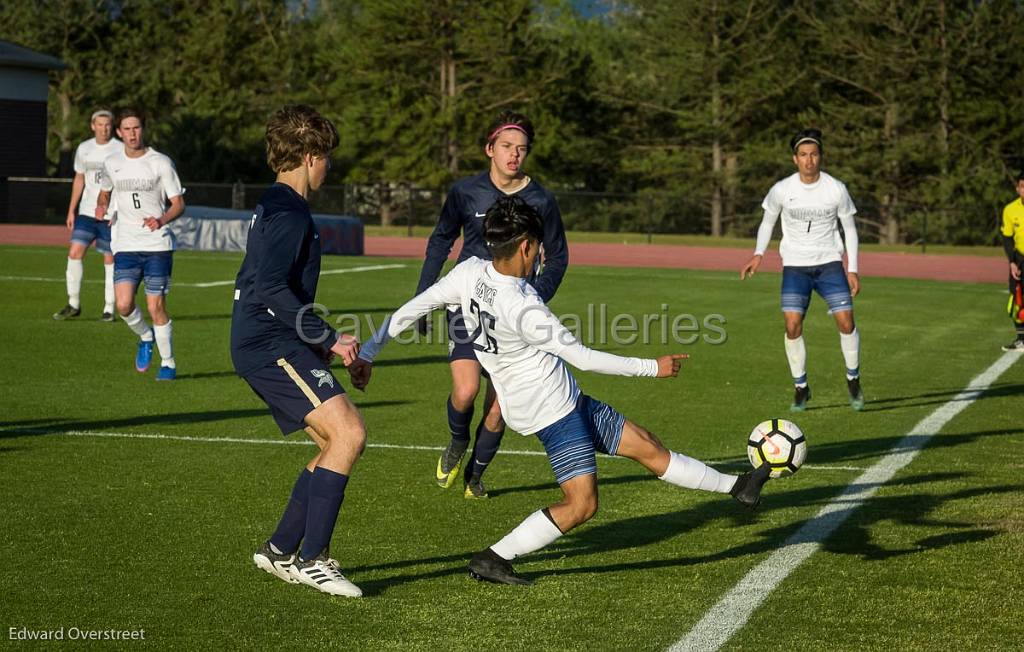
{"x": 498, "y": 130}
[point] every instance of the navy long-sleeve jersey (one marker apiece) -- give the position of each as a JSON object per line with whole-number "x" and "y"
{"x": 464, "y": 211}
{"x": 276, "y": 285}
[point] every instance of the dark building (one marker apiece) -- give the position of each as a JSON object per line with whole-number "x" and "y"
{"x": 24, "y": 86}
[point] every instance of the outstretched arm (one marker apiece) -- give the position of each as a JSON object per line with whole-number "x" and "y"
{"x": 444, "y": 292}
{"x": 539, "y": 327}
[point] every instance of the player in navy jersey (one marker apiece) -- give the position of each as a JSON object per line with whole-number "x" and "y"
{"x": 283, "y": 350}
{"x": 509, "y": 140}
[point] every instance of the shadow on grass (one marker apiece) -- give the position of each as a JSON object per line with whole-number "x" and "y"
{"x": 927, "y": 398}
{"x": 37, "y": 427}
{"x": 852, "y": 537}
{"x": 861, "y": 449}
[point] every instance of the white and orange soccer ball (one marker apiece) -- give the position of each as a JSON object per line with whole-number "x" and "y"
{"x": 778, "y": 443}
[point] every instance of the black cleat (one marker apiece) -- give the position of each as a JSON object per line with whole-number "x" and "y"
{"x": 107, "y": 317}
{"x": 747, "y": 490}
{"x": 856, "y": 394}
{"x": 487, "y": 566}
{"x": 67, "y": 312}
{"x": 1016, "y": 345}
{"x": 800, "y": 397}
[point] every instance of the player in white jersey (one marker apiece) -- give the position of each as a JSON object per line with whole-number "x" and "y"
{"x": 81, "y": 220}
{"x": 524, "y": 348}
{"x": 813, "y": 205}
{"x": 144, "y": 186}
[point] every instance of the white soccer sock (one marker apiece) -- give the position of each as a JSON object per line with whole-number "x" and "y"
{"x": 139, "y": 325}
{"x": 74, "y": 279}
{"x": 163, "y": 344}
{"x": 687, "y": 472}
{"x": 108, "y": 287}
{"x": 535, "y": 532}
{"x": 797, "y": 354}
{"x": 850, "y": 344}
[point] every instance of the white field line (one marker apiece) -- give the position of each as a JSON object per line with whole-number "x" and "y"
{"x": 735, "y": 608}
{"x": 308, "y": 442}
{"x": 210, "y": 284}
{"x": 345, "y": 270}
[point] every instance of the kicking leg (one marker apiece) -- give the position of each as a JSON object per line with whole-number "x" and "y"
{"x": 675, "y": 468}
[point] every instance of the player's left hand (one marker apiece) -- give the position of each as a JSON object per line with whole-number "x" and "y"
{"x": 152, "y": 223}
{"x": 854, "y": 281}
{"x": 359, "y": 372}
{"x": 347, "y": 347}
{"x": 668, "y": 365}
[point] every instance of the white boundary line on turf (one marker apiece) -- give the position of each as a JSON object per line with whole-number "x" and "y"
{"x": 211, "y": 284}
{"x": 308, "y": 442}
{"x": 735, "y": 608}
{"x": 344, "y": 270}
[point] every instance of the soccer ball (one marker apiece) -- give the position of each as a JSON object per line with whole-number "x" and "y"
{"x": 778, "y": 443}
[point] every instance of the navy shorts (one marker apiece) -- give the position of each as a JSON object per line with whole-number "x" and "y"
{"x": 88, "y": 229}
{"x": 152, "y": 266}
{"x": 294, "y": 387}
{"x": 571, "y": 441}
{"x": 460, "y": 346}
{"x": 828, "y": 280}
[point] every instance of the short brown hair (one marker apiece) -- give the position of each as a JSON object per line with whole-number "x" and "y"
{"x": 510, "y": 120}
{"x": 129, "y": 112}
{"x": 295, "y": 131}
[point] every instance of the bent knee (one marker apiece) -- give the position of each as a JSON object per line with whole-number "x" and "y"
{"x": 583, "y": 509}
{"x": 464, "y": 395}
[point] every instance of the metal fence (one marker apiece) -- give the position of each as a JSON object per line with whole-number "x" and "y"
{"x": 45, "y": 201}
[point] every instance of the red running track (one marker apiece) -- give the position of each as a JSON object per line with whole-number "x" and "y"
{"x": 964, "y": 269}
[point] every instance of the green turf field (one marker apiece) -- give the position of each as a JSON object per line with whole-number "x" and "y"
{"x": 151, "y": 526}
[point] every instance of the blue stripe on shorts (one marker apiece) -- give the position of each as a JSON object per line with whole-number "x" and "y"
{"x": 572, "y": 441}
{"x": 87, "y": 229}
{"x": 153, "y": 267}
{"x": 828, "y": 280}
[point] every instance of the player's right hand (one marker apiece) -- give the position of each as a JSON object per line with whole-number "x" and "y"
{"x": 1014, "y": 270}
{"x": 751, "y": 266}
{"x": 668, "y": 365}
{"x": 359, "y": 372}
{"x": 71, "y": 220}
{"x": 347, "y": 348}
{"x": 423, "y": 325}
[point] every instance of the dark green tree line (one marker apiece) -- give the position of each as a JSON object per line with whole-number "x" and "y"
{"x": 680, "y": 110}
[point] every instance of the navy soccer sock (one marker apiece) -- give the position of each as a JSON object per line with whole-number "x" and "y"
{"x": 458, "y": 425}
{"x": 326, "y": 491}
{"x": 486, "y": 447}
{"x": 292, "y": 525}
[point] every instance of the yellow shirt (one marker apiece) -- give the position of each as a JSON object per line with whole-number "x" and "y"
{"x": 1013, "y": 223}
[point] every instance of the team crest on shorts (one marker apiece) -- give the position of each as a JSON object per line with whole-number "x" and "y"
{"x": 325, "y": 377}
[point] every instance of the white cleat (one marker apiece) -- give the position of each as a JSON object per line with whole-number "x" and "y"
{"x": 323, "y": 574}
{"x": 277, "y": 565}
